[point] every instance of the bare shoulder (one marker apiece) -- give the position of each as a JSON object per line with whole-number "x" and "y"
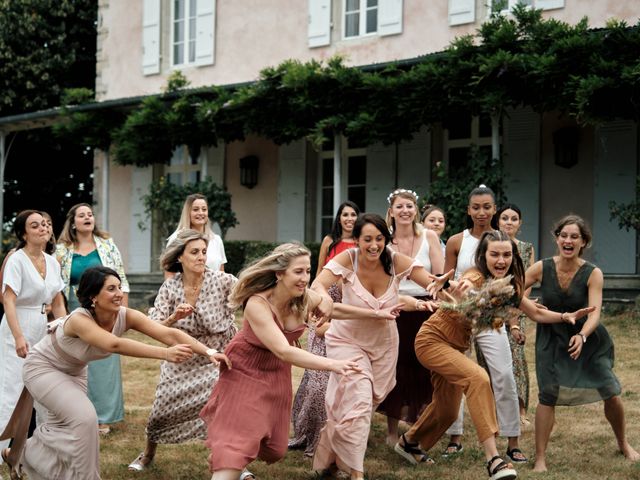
{"x": 455, "y": 241}
{"x": 344, "y": 259}
{"x": 596, "y": 277}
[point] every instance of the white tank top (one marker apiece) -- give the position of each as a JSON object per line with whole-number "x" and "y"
{"x": 467, "y": 253}
{"x": 409, "y": 287}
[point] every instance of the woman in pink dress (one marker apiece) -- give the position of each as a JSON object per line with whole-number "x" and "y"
{"x": 250, "y": 407}
{"x": 370, "y": 275}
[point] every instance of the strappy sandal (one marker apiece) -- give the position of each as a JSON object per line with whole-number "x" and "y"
{"x": 452, "y": 450}
{"x": 14, "y": 472}
{"x": 246, "y": 475}
{"x": 516, "y": 455}
{"x": 502, "y": 470}
{"x": 412, "y": 452}
{"x": 138, "y": 465}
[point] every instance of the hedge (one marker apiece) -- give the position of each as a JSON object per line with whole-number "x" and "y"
{"x": 241, "y": 253}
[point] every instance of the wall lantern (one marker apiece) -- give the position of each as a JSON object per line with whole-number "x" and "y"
{"x": 565, "y": 146}
{"x": 249, "y": 171}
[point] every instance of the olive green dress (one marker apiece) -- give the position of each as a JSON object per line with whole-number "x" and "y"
{"x": 561, "y": 380}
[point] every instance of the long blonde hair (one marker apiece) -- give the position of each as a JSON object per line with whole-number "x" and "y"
{"x": 185, "y": 216}
{"x": 261, "y": 276}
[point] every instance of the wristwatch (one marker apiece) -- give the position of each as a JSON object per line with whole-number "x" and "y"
{"x": 211, "y": 351}
{"x": 584, "y": 338}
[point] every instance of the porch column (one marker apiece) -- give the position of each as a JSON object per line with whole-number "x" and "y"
{"x": 495, "y": 136}
{"x": 104, "y": 194}
{"x": 3, "y": 137}
{"x": 337, "y": 171}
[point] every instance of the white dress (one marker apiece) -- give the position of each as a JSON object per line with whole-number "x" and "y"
{"x": 32, "y": 293}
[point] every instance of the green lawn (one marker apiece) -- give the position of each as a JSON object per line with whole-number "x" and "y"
{"x": 582, "y": 445}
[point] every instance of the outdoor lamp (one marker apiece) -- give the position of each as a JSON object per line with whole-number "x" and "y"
{"x": 249, "y": 171}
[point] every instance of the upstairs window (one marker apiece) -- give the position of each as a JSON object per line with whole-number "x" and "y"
{"x": 184, "y": 32}
{"x": 360, "y": 18}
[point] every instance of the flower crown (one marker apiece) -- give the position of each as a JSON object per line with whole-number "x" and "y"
{"x": 398, "y": 191}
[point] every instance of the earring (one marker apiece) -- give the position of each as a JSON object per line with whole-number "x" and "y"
{"x": 93, "y": 304}
{"x": 73, "y": 227}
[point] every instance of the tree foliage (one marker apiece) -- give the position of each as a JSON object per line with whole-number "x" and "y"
{"x": 627, "y": 214}
{"x": 43, "y": 49}
{"x": 164, "y": 204}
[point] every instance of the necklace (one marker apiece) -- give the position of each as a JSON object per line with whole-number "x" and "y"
{"x": 193, "y": 289}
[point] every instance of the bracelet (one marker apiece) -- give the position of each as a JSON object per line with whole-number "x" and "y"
{"x": 514, "y": 327}
{"x": 562, "y": 316}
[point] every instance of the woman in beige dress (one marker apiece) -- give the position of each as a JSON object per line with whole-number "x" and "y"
{"x": 66, "y": 447}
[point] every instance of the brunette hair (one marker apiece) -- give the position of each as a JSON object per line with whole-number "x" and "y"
{"x": 51, "y": 244}
{"x": 428, "y": 209}
{"x": 507, "y": 206}
{"x": 91, "y": 282}
{"x": 516, "y": 270}
{"x": 20, "y": 226}
{"x": 407, "y": 195}
{"x": 378, "y": 222}
{"x": 261, "y": 275}
{"x": 185, "y": 216}
{"x": 336, "y": 228}
{"x": 573, "y": 219}
{"x": 69, "y": 236}
{"x": 169, "y": 258}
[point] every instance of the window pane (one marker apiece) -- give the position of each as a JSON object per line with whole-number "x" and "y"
{"x": 352, "y": 25}
{"x": 192, "y": 51}
{"x": 372, "y": 20}
{"x": 352, "y": 6}
{"x": 459, "y": 128}
{"x": 178, "y": 31}
{"x": 178, "y": 156}
{"x": 327, "y": 172}
{"x": 357, "y": 170}
{"x": 193, "y": 177}
{"x": 357, "y": 195}
{"x": 485, "y": 126}
{"x": 175, "y": 178}
{"x": 178, "y": 9}
{"x": 372, "y": 3}
{"x": 458, "y": 159}
{"x": 192, "y": 8}
{"x": 327, "y": 146}
{"x": 192, "y": 29}
{"x": 178, "y": 58}
{"x": 327, "y": 201}
{"x": 326, "y": 226}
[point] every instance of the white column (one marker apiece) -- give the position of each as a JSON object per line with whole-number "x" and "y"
{"x": 337, "y": 171}
{"x": 104, "y": 200}
{"x": 495, "y": 136}
{"x": 3, "y": 137}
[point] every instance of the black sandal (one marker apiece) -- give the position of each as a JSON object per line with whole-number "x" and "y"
{"x": 502, "y": 470}
{"x": 516, "y": 455}
{"x": 412, "y": 452}
{"x": 452, "y": 450}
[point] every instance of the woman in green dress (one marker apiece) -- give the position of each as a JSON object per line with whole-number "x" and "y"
{"x": 573, "y": 362}
{"x": 83, "y": 245}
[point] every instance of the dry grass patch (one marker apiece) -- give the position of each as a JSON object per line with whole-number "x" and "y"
{"x": 582, "y": 444}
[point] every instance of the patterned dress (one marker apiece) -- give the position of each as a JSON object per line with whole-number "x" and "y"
{"x": 309, "y": 414}
{"x": 184, "y": 388}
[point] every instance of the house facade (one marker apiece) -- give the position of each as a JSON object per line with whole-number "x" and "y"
{"x": 226, "y": 42}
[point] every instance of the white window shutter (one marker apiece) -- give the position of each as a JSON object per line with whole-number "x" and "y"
{"x": 462, "y": 11}
{"x": 389, "y": 17}
{"x": 151, "y": 37}
{"x": 319, "y": 33}
{"x": 548, "y": 4}
{"x": 205, "y": 31}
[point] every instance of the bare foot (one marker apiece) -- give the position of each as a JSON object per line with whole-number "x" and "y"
{"x": 628, "y": 451}
{"x": 391, "y": 440}
{"x": 540, "y": 466}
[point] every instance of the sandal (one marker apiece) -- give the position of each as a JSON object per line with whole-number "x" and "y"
{"x": 104, "y": 430}
{"x": 502, "y": 470}
{"x": 138, "y": 465}
{"x": 452, "y": 450}
{"x": 246, "y": 475}
{"x": 516, "y": 455}
{"x": 14, "y": 472}
{"x": 412, "y": 452}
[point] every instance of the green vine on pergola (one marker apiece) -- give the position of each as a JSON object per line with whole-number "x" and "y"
{"x": 512, "y": 61}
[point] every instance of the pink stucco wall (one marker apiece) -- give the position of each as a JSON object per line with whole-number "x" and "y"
{"x": 253, "y": 34}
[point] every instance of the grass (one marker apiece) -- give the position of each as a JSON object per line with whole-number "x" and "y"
{"x": 582, "y": 445}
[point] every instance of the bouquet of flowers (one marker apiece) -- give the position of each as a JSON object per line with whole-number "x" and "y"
{"x": 488, "y": 307}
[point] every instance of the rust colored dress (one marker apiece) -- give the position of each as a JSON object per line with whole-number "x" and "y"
{"x": 248, "y": 413}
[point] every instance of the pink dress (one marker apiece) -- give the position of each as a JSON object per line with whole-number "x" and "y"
{"x": 351, "y": 399}
{"x": 248, "y": 413}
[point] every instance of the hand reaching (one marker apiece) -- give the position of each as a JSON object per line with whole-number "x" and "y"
{"x": 389, "y": 313}
{"x": 578, "y": 314}
{"x": 182, "y": 311}
{"x": 434, "y": 287}
{"x": 216, "y": 358}
{"x": 322, "y": 312}
{"x": 426, "y": 305}
{"x": 179, "y": 353}
{"x": 345, "y": 367}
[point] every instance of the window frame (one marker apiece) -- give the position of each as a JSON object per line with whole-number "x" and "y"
{"x": 186, "y": 39}
{"x": 186, "y": 166}
{"x": 362, "y": 13}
